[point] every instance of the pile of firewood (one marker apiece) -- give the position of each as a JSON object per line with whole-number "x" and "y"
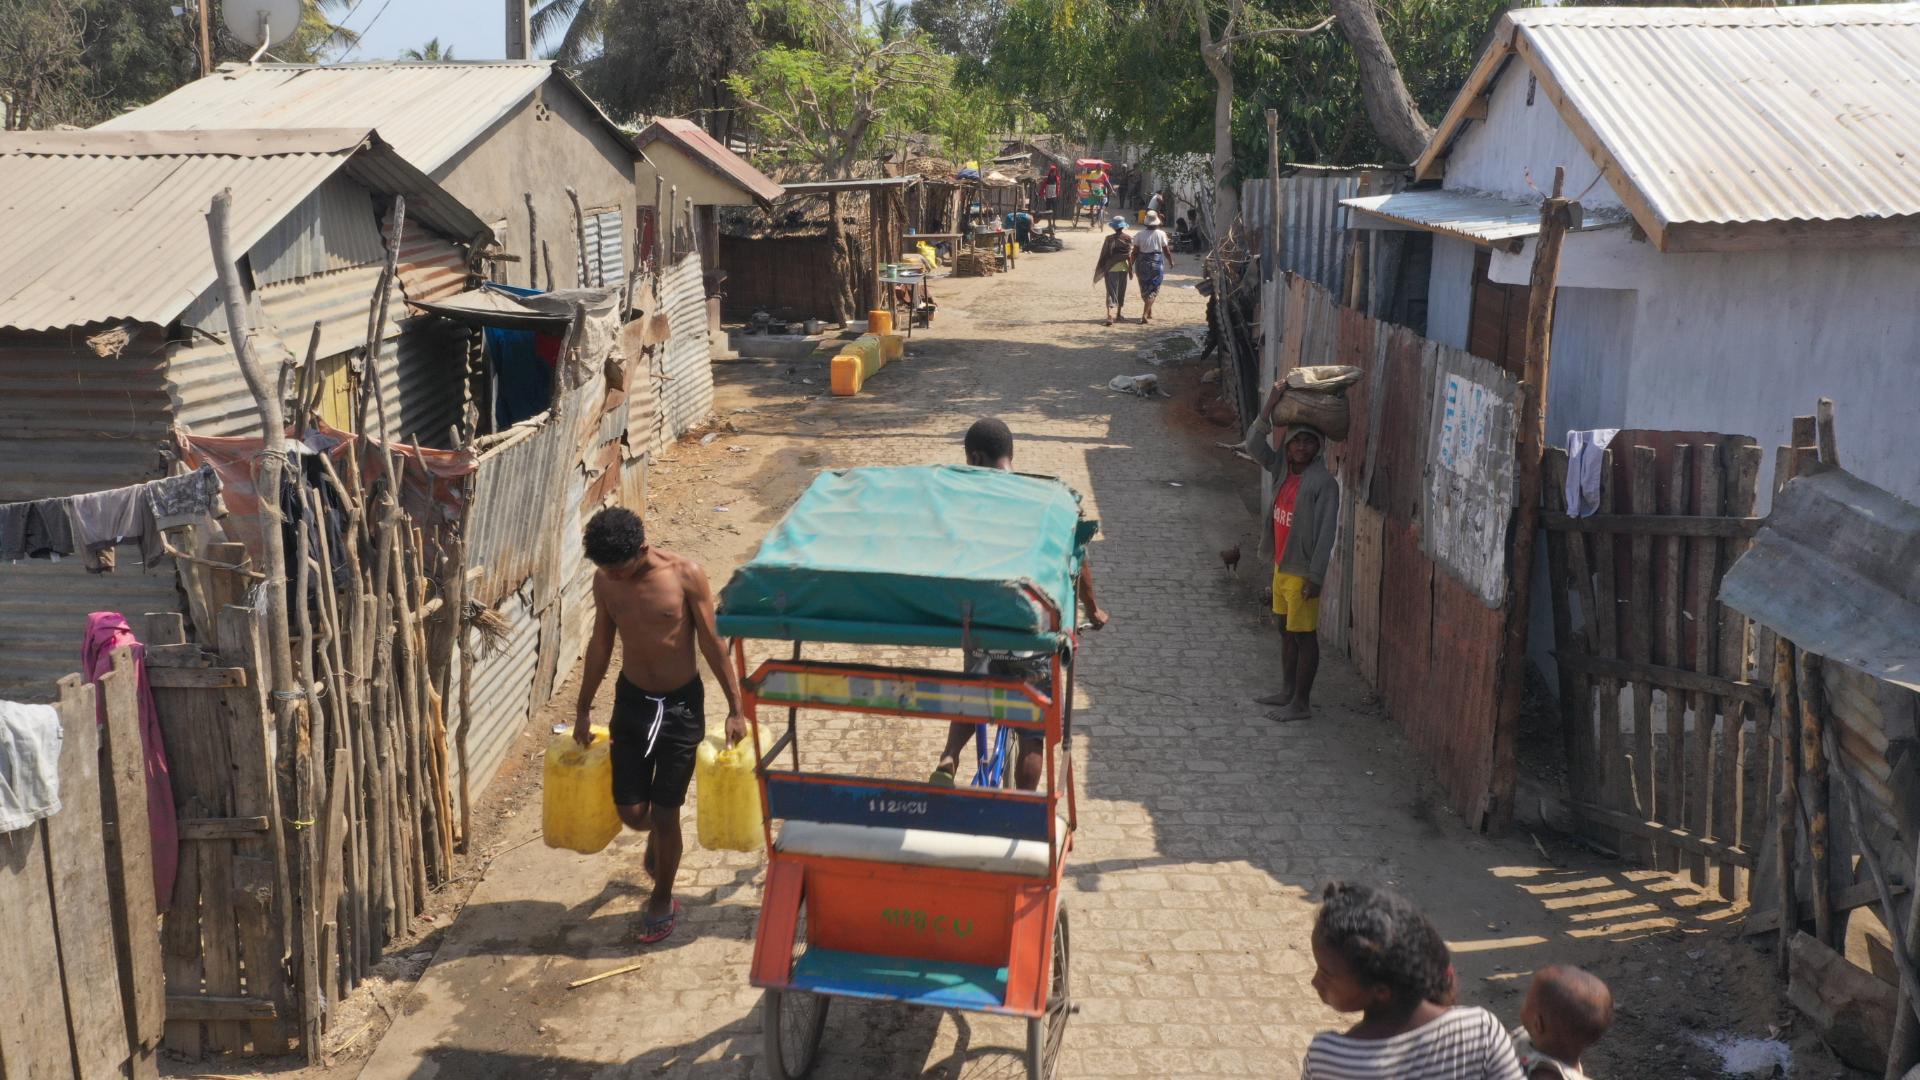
{"x": 975, "y": 264}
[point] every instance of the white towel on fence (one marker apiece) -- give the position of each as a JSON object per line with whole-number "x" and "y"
{"x": 1586, "y": 450}
{"x": 30, "y": 737}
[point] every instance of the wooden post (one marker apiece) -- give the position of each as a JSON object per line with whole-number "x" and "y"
{"x": 580, "y": 274}
{"x": 1270, "y": 257}
{"x": 1813, "y": 766}
{"x": 76, "y": 864}
{"x": 123, "y": 803}
{"x": 1829, "y": 444}
{"x": 288, "y": 699}
{"x": 206, "y": 39}
{"x": 1785, "y": 728}
{"x": 533, "y": 244}
{"x": 1526, "y": 520}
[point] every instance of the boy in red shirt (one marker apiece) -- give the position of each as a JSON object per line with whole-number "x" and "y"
{"x": 1306, "y": 513}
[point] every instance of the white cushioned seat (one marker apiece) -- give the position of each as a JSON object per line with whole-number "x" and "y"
{"x": 919, "y": 847}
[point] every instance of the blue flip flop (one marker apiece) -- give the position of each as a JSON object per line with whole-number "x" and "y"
{"x": 669, "y": 920}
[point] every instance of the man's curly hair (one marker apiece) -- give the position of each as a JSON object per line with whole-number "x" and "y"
{"x": 1387, "y": 941}
{"x": 614, "y": 535}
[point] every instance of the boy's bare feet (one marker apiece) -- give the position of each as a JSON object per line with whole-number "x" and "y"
{"x": 1296, "y": 711}
{"x": 1284, "y": 697}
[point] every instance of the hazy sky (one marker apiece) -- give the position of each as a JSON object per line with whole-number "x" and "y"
{"x": 475, "y": 29}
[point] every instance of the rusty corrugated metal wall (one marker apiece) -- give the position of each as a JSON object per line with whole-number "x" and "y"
{"x": 1423, "y": 636}
{"x": 687, "y": 356}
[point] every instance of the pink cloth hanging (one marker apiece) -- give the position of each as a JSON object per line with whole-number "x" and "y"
{"x": 107, "y": 631}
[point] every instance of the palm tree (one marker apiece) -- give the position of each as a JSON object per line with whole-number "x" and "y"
{"x": 584, "y": 21}
{"x": 429, "y": 52}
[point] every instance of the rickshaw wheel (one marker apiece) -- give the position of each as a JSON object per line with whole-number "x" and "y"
{"x": 1047, "y": 1034}
{"x": 795, "y": 1020}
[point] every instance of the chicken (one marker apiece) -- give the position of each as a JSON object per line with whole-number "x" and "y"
{"x": 1230, "y": 559}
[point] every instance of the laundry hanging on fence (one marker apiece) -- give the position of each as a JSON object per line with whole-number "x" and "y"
{"x": 107, "y": 631}
{"x": 30, "y": 738}
{"x": 102, "y": 520}
{"x": 35, "y": 530}
{"x": 1586, "y": 451}
{"x": 185, "y": 499}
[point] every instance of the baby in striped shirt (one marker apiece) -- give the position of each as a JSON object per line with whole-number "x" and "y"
{"x": 1379, "y": 956}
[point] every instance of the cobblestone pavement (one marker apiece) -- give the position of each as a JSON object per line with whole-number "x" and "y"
{"x": 1204, "y": 828}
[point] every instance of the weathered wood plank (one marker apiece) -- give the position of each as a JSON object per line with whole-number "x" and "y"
{"x": 260, "y": 895}
{"x": 130, "y": 866}
{"x": 33, "y": 1011}
{"x": 220, "y": 939}
{"x": 1844, "y": 900}
{"x": 183, "y": 678}
{"x": 77, "y": 859}
{"x": 1668, "y": 583}
{"x": 1666, "y": 835}
{"x": 1606, "y": 614}
{"x": 1640, "y": 496}
{"x": 1744, "y": 810}
{"x": 209, "y": 1007}
{"x": 1654, "y": 525}
{"x": 1666, "y": 677}
{"x": 226, "y": 828}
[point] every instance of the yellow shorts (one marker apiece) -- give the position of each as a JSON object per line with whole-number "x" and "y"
{"x": 1303, "y": 615}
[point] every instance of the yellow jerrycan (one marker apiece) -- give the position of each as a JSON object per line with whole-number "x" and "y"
{"x": 576, "y": 809}
{"x": 729, "y": 811}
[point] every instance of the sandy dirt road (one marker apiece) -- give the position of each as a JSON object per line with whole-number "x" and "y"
{"x": 1206, "y": 830}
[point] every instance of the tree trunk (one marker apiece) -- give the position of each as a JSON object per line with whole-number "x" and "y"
{"x": 1226, "y": 202}
{"x": 1395, "y": 118}
{"x": 840, "y": 273}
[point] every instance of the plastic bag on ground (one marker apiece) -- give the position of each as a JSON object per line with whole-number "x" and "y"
{"x": 729, "y": 795}
{"x": 1143, "y": 385}
{"x": 576, "y": 805}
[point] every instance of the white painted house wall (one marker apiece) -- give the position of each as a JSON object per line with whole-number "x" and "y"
{"x": 1736, "y": 343}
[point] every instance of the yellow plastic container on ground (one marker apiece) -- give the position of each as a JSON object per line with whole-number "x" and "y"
{"x": 729, "y": 812}
{"x": 576, "y": 806}
{"x": 880, "y": 321}
{"x": 857, "y": 362}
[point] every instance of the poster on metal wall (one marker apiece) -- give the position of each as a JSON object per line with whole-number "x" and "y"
{"x": 1470, "y": 478}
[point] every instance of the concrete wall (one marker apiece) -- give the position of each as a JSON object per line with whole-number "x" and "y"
{"x": 1592, "y": 340}
{"x": 1450, "y": 291}
{"x": 693, "y": 179}
{"x": 1496, "y": 155}
{"x": 552, "y": 140}
{"x": 1741, "y": 343}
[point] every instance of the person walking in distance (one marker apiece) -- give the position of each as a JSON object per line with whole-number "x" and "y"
{"x": 1306, "y": 511}
{"x": 1116, "y": 256}
{"x": 1152, "y": 258}
{"x": 661, "y": 608}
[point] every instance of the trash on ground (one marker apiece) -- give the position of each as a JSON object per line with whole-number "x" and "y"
{"x": 1749, "y": 1057}
{"x": 709, "y": 437}
{"x": 1171, "y": 346}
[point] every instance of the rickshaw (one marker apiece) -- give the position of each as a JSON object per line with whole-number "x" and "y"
{"x": 898, "y": 890}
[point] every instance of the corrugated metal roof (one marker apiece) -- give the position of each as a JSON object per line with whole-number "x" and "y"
{"x": 1480, "y": 218}
{"x": 429, "y": 112}
{"x": 111, "y": 225}
{"x": 822, "y": 187}
{"x": 1834, "y": 571}
{"x": 693, "y": 140}
{"x": 1728, "y": 115}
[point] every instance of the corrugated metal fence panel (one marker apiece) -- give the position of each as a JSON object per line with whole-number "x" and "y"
{"x": 609, "y": 250}
{"x": 72, "y": 421}
{"x": 686, "y": 396}
{"x": 44, "y": 608}
{"x": 502, "y": 684}
{"x": 1470, "y": 482}
{"x": 1313, "y": 226}
{"x": 506, "y": 537}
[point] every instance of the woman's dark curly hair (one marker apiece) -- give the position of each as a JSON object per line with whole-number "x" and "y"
{"x": 1387, "y": 941}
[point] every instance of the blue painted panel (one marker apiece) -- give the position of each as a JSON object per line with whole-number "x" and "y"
{"x": 942, "y": 983}
{"x": 939, "y": 810}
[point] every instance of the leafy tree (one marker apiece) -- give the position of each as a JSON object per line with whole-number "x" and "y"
{"x": 964, "y": 29}
{"x": 1129, "y": 69}
{"x": 669, "y": 56}
{"x": 42, "y": 75}
{"x": 431, "y": 51}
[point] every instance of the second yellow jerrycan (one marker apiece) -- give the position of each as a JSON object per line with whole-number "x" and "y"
{"x": 576, "y": 809}
{"x": 729, "y": 811}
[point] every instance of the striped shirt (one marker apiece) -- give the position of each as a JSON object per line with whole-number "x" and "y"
{"x": 1464, "y": 1043}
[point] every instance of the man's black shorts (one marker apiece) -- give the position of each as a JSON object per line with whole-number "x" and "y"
{"x": 654, "y": 739}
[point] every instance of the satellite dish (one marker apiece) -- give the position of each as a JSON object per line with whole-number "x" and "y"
{"x": 260, "y": 22}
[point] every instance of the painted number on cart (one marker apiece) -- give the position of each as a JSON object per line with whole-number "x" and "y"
{"x": 909, "y": 919}
{"x": 896, "y": 806}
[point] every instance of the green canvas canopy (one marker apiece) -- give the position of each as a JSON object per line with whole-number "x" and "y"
{"x": 917, "y": 555}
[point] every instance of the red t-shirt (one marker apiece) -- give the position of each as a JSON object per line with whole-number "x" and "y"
{"x": 1283, "y": 514}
